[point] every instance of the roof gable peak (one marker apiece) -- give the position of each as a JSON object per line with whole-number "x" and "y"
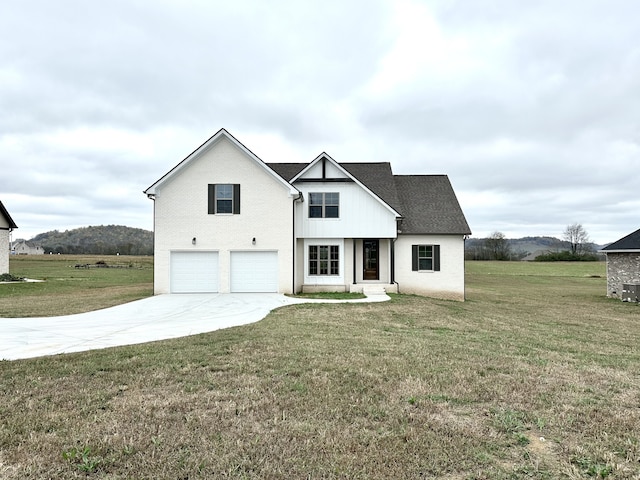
{"x": 207, "y": 145}
{"x": 323, "y": 167}
{"x": 5, "y": 214}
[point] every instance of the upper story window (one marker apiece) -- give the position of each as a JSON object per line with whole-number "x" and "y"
{"x": 324, "y": 205}
{"x": 224, "y": 198}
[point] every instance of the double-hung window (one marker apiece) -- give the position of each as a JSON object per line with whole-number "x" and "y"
{"x": 324, "y": 205}
{"x": 224, "y": 198}
{"x": 324, "y": 260}
{"x": 425, "y": 258}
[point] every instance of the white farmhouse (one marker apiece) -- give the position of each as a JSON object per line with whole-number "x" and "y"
{"x": 225, "y": 221}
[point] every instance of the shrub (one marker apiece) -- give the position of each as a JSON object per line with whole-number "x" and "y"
{"x": 567, "y": 256}
{"x": 7, "y": 277}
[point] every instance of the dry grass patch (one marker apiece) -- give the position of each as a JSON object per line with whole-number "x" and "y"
{"x": 412, "y": 388}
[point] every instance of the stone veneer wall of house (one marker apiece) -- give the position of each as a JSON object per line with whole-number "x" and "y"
{"x": 4, "y": 251}
{"x": 621, "y": 268}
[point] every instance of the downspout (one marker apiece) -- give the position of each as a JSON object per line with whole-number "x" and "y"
{"x": 393, "y": 253}
{"x": 153, "y": 198}
{"x": 393, "y": 260}
{"x": 464, "y": 267}
{"x": 393, "y": 263}
{"x": 355, "y": 280}
{"x": 293, "y": 234}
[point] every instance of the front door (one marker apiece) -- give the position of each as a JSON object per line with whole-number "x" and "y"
{"x": 370, "y": 259}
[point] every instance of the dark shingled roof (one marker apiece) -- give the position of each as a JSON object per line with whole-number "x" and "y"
{"x": 287, "y": 170}
{"x": 378, "y": 177}
{"x": 5, "y": 213}
{"x": 630, "y": 242}
{"x": 427, "y": 203}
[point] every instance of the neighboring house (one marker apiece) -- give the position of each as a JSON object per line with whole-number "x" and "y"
{"x": 623, "y": 263}
{"x": 225, "y": 221}
{"x": 6, "y": 226}
{"x": 22, "y": 247}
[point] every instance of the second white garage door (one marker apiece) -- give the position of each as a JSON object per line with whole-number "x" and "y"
{"x": 254, "y": 272}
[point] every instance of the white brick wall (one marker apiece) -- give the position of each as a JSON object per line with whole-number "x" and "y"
{"x": 447, "y": 283}
{"x": 181, "y": 213}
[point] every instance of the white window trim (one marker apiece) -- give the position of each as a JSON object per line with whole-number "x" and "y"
{"x": 324, "y": 279}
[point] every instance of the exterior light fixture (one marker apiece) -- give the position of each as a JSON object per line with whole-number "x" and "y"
{"x": 254, "y": 240}
{"x": 193, "y": 241}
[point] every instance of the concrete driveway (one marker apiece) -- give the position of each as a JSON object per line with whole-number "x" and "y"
{"x": 154, "y": 318}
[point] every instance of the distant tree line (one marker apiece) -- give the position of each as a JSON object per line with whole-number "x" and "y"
{"x": 580, "y": 249}
{"x": 495, "y": 247}
{"x": 98, "y": 240}
{"x": 574, "y": 247}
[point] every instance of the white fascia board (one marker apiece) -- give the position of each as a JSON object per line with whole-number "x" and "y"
{"x": 347, "y": 174}
{"x": 293, "y": 192}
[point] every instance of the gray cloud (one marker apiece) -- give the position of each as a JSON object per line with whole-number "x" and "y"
{"x": 530, "y": 108}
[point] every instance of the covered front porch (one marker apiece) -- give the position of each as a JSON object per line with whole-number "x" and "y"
{"x": 367, "y": 263}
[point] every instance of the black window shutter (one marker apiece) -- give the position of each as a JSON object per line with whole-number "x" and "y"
{"x": 414, "y": 258}
{"x": 212, "y": 199}
{"x": 436, "y": 258}
{"x": 236, "y": 199}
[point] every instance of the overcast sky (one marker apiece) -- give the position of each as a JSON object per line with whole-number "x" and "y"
{"x": 531, "y": 108}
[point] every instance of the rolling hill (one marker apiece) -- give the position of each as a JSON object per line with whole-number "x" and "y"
{"x": 102, "y": 240}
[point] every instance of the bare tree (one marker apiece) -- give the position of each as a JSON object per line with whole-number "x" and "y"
{"x": 497, "y": 247}
{"x": 578, "y": 237}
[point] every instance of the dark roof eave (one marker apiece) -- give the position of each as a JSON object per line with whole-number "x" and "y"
{"x": 10, "y": 221}
{"x": 402, "y": 232}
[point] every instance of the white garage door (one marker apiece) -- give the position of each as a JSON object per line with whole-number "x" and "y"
{"x": 194, "y": 272}
{"x": 254, "y": 272}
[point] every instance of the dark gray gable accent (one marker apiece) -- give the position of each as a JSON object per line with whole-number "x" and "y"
{"x": 324, "y": 180}
{"x": 630, "y": 242}
{"x": 211, "y": 199}
{"x": 236, "y": 198}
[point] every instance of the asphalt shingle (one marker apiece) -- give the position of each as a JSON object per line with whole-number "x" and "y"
{"x": 429, "y": 205}
{"x": 630, "y": 242}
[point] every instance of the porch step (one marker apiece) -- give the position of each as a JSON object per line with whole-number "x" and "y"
{"x": 374, "y": 290}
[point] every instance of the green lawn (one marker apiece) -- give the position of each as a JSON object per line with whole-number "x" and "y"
{"x": 67, "y": 289}
{"x": 537, "y": 375}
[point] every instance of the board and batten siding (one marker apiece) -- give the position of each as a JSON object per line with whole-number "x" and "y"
{"x": 181, "y": 214}
{"x": 447, "y": 283}
{"x": 361, "y": 215}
